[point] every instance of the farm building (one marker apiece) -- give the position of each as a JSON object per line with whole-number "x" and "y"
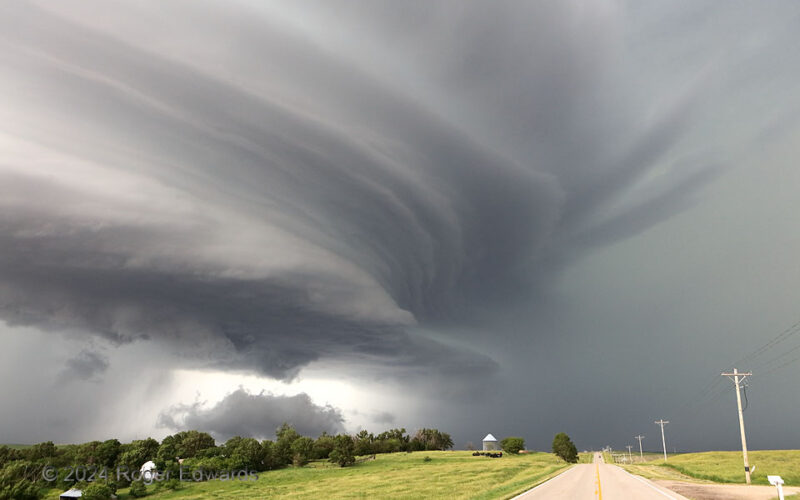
{"x": 148, "y": 471}
{"x": 73, "y": 493}
{"x": 489, "y": 443}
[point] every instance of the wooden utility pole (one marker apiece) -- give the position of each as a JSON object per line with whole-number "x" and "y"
{"x": 641, "y": 455}
{"x": 738, "y": 378}
{"x": 663, "y": 441}
{"x": 630, "y": 458}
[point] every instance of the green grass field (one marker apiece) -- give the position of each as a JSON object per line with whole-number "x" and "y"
{"x": 18, "y": 446}
{"x": 449, "y": 474}
{"x": 725, "y": 466}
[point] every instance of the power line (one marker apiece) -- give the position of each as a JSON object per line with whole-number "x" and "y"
{"x": 784, "y": 335}
{"x": 707, "y": 403}
{"x": 778, "y": 357}
{"x": 762, "y": 374}
{"x": 701, "y": 396}
{"x": 709, "y": 392}
{"x": 694, "y": 406}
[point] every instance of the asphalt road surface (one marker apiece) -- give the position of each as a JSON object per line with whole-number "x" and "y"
{"x": 599, "y": 481}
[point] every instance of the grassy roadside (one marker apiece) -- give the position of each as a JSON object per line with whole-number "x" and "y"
{"x": 647, "y": 456}
{"x": 724, "y": 467}
{"x": 659, "y": 471}
{"x": 450, "y": 474}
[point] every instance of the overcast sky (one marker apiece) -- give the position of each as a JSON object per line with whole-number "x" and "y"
{"x": 508, "y": 217}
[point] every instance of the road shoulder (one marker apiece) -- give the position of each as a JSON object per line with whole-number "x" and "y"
{"x": 547, "y": 480}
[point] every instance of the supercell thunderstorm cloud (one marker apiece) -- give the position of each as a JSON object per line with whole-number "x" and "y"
{"x": 452, "y": 202}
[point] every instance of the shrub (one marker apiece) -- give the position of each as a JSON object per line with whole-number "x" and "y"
{"x": 97, "y": 491}
{"x": 138, "y": 489}
{"x": 512, "y": 444}
{"x": 172, "y": 484}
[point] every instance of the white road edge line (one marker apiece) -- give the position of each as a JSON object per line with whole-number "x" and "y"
{"x": 542, "y": 484}
{"x": 650, "y": 485}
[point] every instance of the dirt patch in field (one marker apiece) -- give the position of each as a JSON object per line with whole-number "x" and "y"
{"x": 697, "y": 491}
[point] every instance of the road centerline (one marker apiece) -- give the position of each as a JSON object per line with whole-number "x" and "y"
{"x": 599, "y": 490}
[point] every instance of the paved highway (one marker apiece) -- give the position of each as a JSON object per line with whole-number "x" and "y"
{"x": 598, "y": 481}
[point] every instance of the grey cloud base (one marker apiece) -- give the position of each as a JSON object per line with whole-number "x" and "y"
{"x": 255, "y": 415}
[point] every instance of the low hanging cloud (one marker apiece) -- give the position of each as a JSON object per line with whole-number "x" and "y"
{"x": 253, "y": 201}
{"x": 241, "y": 413}
{"x": 383, "y": 417}
{"x": 87, "y": 365}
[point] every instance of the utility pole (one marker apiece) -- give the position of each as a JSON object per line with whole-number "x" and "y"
{"x": 641, "y": 455}
{"x": 663, "y": 441}
{"x": 630, "y": 458}
{"x": 737, "y": 379}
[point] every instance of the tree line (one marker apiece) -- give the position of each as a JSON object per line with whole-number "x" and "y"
{"x": 21, "y": 470}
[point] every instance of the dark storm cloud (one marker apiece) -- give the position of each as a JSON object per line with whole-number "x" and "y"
{"x": 87, "y": 365}
{"x": 267, "y": 325}
{"x": 255, "y": 415}
{"x": 261, "y": 187}
{"x": 408, "y": 221}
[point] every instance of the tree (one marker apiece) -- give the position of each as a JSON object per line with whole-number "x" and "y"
{"x": 445, "y": 441}
{"x": 13, "y": 483}
{"x": 268, "y": 454}
{"x": 167, "y": 452}
{"x": 192, "y": 442}
{"x": 364, "y": 443}
{"x": 512, "y": 444}
{"x": 323, "y": 446}
{"x": 7, "y": 455}
{"x": 137, "y": 452}
{"x": 244, "y": 453}
{"x": 431, "y": 439}
{"x": 86, "y": 453}
{"x": 343, "y": 451}
{"x": 301, "y": 450}
{"x": 282, "y": 451}
{"x": 564, "y": 448}
{"x": 42, "y": 451}
{"x": 107, "y": 452}
{"x": 399, "y": 434}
